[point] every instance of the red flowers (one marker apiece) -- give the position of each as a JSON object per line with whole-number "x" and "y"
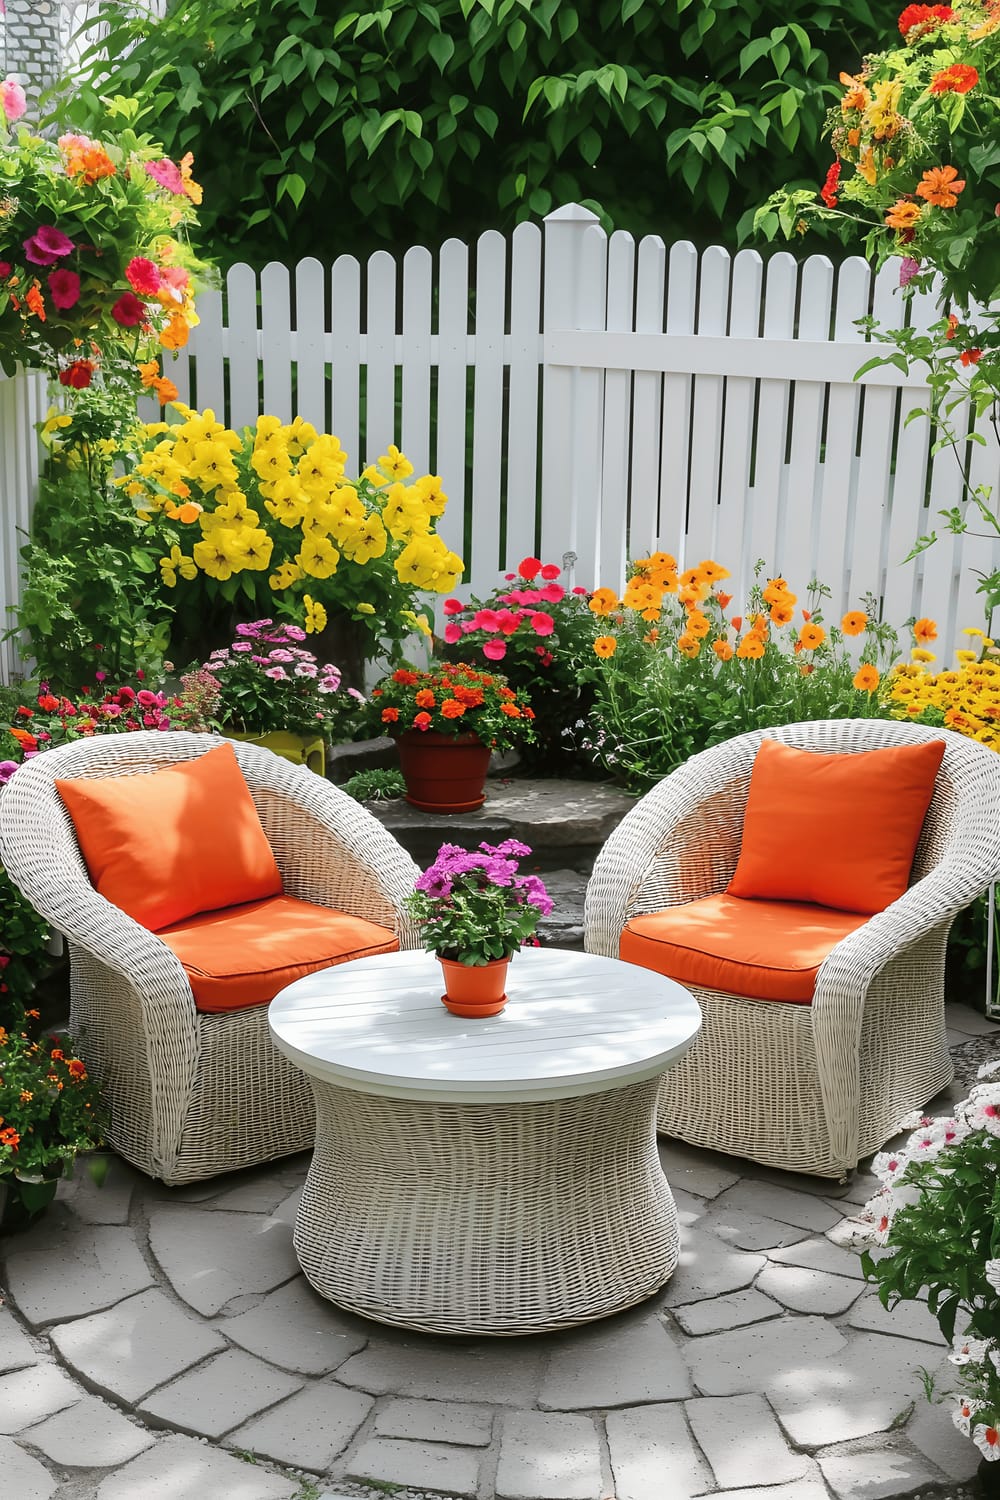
{"x": 128, "y": 311}
{"x": 78, "y": 375}
{"x": 529, "y": 567}
{"x": 971, "y": 356}
{"x": 828, "y": 192}
{"x": 958, "y": 79}
{"x": 927, "y": 17}
{"x": 143, "y": 276}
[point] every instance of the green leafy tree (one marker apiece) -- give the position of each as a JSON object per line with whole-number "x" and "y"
{"x": 322, "y": 126}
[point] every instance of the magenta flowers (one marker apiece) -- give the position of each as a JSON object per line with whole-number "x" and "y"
{"x": 64, "y": 289}
{"x": 474, "y": 906}
{"x": 47, "y": 245}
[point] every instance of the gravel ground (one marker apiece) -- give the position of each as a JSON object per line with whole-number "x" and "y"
{"x": 970, "y": 1056}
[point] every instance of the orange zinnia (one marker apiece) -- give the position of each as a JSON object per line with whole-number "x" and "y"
{"x": 854, "y": 622}
{"x": 781, "y": 614}
{"x": 903, "y": 215}
{"x": 698, "y": 624}
{"x": 688, "y": 645}
{"x": 924, "y": 630}
{"x": 866, "y": 678}
{"x": 722, "y": 649}
{"x": 605, "y": 646}
{"x": 941, "y": 186}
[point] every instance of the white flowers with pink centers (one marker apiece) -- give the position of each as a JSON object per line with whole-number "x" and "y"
{"x": 982, "y": 1109}
{"x": 964, "y": 1412}
{"x": 992, "y": 1273}
{"x": 888, "y": 1165}
{"x": 306, "y": 669}
{"x": 12, "y": 99}
{"x": 968, "y": 1351}
{"x": 913, "y": 1119}
{"x": 880, "y": 1211}
{"x": 987, "y": 1440}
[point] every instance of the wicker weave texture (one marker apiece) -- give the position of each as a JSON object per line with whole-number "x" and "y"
{"x": 191, "y": 1095}
{"x": 492, "y": 1219}
{"x": 807, "y": 1088}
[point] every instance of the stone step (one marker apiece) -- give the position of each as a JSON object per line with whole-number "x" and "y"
{"x": 565, "y": 823}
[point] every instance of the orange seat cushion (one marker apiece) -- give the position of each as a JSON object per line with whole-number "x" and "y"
{"x": 834, "y": 830}
{"x": 170, "y": 843}
{"x": 244, "y": 955}
{"x": 765, "y": 950}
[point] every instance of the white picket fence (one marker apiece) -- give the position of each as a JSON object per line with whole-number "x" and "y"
{"x": 590, "y": 399}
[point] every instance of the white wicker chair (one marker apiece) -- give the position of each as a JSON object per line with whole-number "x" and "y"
{"x": 809, "y": 1088}
{"x": 190, "y": 1095}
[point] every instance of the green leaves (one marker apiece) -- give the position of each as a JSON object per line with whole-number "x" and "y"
{"x": 681, "y": 134}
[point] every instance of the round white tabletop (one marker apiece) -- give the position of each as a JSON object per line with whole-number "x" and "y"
{"x": 575, "y": 1024}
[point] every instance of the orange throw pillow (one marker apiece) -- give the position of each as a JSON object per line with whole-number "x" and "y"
{"x": 834, "y": 830}
{"x": 168, "y": 844}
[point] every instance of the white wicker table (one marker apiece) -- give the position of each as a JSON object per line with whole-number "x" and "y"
{"x": 491, "y": 1176}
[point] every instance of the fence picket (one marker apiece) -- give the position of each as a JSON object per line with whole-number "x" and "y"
{"x": 345, "y": 322}
{"x": 380, "y": 386}
{"x": 416, "y": 386}
{"x": 799, "y": 542}
{"x": 487, "y": 410}
{"x": 647, "y": 402}
{"x": 522, "y": 401}
{"x": 207, "y": 354}
{"x": 737, "y": 435}
{"x": 244, "y": 366}
{"x": 310, "y": 344}
{"x": 706, "y": 422}
{"x": 770, "y": 480}
{"x": 868, "y": 516}
{"x": 617, "y": 413}
{"x": 840, "y": 442}
{"x": 682, "y": 281}
{"x": 450, "y": 452}
{"x": 276, "y": 340}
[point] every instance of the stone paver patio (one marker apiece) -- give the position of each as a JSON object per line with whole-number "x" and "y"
{"x": 141, "y": 1319}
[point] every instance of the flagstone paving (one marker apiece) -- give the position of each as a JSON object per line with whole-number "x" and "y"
{"x": 161, "y": 1344}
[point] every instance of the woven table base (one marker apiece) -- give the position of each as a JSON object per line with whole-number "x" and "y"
{"x": 486, "y": 1218}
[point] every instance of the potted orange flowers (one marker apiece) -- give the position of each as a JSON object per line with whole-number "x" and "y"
{"x": 446, "y": 723}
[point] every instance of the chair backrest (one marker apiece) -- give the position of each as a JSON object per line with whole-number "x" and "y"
{"x": 36, "y": 829}
{"x": 682, "y": 840}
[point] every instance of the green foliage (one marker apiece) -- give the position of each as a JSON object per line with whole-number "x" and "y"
{"x": 87, "y": 604}
{"x": 22, "y": 951}
{"x": 325, "y": 127}
{"x": 375, "y": 785}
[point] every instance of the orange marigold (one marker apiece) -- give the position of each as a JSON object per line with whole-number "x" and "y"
{"x": 751, "y": 647}
{"x": 781, "y": 614}
{"x": 603, "y": 601}
{"x": 452, "y": 709}
{"x": 958, "y": 79}
{"x": 722, "y": 649}
{"x": 510, "y": 709}
{"x": 854, "y": 622}
{"x": 424, "y": 699}
{"x": 924, "y": 630}
{"x": 903, "y": 215}
{"x": 390, "y": 715}
{"x": 811, "y": 637}
{"x": 941, "y": 186}
{"x": 688, "y": 645}
{"x": 698, "y": 624}
{"x": 605, "y": 646}
{"x": 866, "y": 678}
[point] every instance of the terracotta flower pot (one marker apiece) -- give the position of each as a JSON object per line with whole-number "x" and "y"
{"x": 444, "y": 773}
{"x": 475, "y": 989}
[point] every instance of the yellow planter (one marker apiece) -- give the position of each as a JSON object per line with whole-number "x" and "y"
{"x": 298, "y": 748}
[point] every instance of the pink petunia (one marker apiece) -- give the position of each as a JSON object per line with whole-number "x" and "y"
{"x": 128, "y": 311}
{"x": 529, "y": 567}
{"x": 542, "y": 624}
{"x": 167, "y": 174}
{"x": 453, "y": 606}
{"x": 143, "y": 276}
{"x": 452, "y": 632}
{"x": 278, "y": 673}
{"x": 495, "y": 650}
{"x": 579, "y": 590}
{"x": 12, "y": 99}
{"x": 550, "y": 571}
{"x": 508, "y": 620}
{"x": 485, "y": 619}
{"x": 552, "y": 593}
{"x": 47, "y": 245}
{"x": 64, "y": 289}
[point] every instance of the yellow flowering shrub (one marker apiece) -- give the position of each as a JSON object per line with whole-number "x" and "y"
{"x": 965, "y": 698}
{"x": 271, "y": 515}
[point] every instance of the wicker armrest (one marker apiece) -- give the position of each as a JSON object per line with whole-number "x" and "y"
{"x": 329, "y": 848}
{"x": 679, "y": 843}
